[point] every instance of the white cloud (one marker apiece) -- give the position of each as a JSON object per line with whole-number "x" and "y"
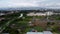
{"x": 19, "y": 3}
{"x": 29, "y": 3}
{"x": 23, "y": 5}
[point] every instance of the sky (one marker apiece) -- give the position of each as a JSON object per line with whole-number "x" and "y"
{"x": 30, "y": 3}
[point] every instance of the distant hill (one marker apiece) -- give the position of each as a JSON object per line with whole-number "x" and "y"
{"x": 27, "y": 8}
{"x": 30, "y": 8}
{"x": 21, "y": 8}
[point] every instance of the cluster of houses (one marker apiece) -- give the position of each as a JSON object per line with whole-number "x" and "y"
{"x": 39, "y": 14}
{"x": 48, "y": 13}
{"x": 8, "y": 12}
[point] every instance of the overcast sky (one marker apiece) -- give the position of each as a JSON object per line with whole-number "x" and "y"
{"x": 29, "y": 3}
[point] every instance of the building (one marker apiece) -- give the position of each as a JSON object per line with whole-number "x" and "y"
{"x": 2, "y": 14}
{"x": 2, "y": 19}
{"x": 36, "y": 14}
{"x": 5, "y": 33}
{"x": 40, "y": 14}
{"x": 44, "y": 32}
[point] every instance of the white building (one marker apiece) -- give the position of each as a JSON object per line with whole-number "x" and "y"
{"x": 49, "y": 13}
{"x": 40, "y": 14}
{"x": 5, "y": 33}
{"x": 44, "y": 32}
{"x": 2, "y": 14}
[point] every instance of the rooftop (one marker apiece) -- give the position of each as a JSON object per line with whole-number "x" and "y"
{"x": 44, "y": 32}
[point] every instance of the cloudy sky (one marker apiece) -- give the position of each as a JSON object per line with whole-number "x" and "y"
{"x": 29, "y": 3}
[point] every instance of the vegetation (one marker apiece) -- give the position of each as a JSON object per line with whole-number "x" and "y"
{"x": 22, "y": 24}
